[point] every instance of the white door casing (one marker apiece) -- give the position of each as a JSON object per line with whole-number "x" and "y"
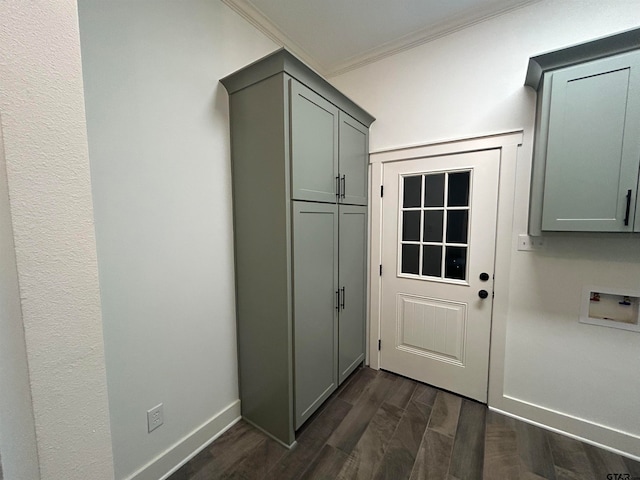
{"x": 509, "y": 144}
{"x": 439, "y": 224}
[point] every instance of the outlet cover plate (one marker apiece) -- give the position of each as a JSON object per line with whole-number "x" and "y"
{"x": 155, "y": 418}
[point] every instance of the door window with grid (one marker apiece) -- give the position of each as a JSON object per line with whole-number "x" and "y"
{"x": 434, "y": 225}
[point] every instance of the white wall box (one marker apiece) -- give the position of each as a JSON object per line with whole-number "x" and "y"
{"x": 299, "y": 152}
{"x": 587, "y": 141}
{"x": 608, "y": 307}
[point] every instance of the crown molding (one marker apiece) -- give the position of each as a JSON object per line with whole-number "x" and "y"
{"x": 256, "y": 18}
{"x": 425, "y": 35}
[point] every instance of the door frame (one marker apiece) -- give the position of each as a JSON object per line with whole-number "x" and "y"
{"x": 508, "y": 143}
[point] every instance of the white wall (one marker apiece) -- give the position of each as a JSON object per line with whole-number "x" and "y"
{"x": 579, "y": 378}
{"x": 52, "y": 325}
{"x": 158, "y": 131}
{"x": 17, "y": 430}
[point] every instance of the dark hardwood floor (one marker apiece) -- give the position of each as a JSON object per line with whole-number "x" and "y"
{"x": 383, "y": 426}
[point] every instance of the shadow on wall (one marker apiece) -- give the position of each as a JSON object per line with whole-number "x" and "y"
{"x": 601, "y": 247}
{"x": 220, "y": 106}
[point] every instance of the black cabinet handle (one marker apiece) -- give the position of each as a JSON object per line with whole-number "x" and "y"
{"x": 626, "y": 215}
{"x": 338, "y": 186}
{"x": 343, "y": 295}
{"x": 338, "y": 300}
{"x": 344, "y": 185}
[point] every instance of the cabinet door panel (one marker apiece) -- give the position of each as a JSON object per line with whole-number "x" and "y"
{"x": 592, "y": 152}
{"x": 314, "y": 145}
{"x": 352, "y": 277}
{"x": 315, "y": 279}
{"x": 353, "y": 160}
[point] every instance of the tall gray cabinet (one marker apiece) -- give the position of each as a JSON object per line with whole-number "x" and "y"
{"x": 299, "y": 151}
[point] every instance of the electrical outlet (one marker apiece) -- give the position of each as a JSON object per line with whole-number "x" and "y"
{"x": 527, "y": 243}
{"x": 155, "y": 418}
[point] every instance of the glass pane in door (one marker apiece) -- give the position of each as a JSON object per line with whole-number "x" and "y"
{"x": 458, "y": 189}
{"x": 431, "y": 260}
{"x": 411, "y": 259}
{"x": 434, "y": 190}
{"x": 412, "y": 189}
{"x": 435, "y": 216}
{"x": 411, "y": 226}
{"x": 457, "y": 223}
{"x": 433, "y": 226}
{"x": 455, "y": 263}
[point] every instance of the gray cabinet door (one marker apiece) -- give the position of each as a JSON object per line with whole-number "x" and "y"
{"x": 354, "y": 159}
{"x": 315, "y": 324}
{"x": 593, "y": 146}
{"x": 352, "y": 282}
{"x": 314, "y": 146}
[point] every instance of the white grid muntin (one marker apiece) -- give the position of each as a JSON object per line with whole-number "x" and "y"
{"x": 444, "y": 208}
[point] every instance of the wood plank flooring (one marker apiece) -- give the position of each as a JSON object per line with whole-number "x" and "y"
{"x": 382, "y": 426}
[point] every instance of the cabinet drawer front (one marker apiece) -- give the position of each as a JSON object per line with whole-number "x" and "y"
{"x": 593, "y": 146}
{"x": 314, "y": 145}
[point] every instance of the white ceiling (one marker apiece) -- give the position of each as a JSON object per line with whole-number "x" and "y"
{"x": 334, "y": 36}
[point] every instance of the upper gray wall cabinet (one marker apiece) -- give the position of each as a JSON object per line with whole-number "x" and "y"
{"x": 354, "y": 160}
{"x": 329, "y": 150}
{"x": 299, "y": 154}
{"x": 587, "y": 140}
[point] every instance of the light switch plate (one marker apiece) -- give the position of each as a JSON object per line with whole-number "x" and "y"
{"x": 528, "y": 243}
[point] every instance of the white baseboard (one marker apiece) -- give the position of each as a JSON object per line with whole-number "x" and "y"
{"x": 616, "y": 441}
{"x": 188, "y": 447}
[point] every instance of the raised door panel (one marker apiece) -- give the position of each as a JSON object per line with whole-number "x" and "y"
{"x": 352, "y": 282}
{"x": 593, "y": 149}
{"x": 314, "y": 146}
{"x": 353, "y": 160}
{"x": 315, "y": 280}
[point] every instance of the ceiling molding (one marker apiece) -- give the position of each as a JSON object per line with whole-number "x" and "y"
{"x": 454, "y": 24}
{"x": 256, "y": 18}
{"x": 426, "y": 35}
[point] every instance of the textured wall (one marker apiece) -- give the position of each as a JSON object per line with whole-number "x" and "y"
{"x": 158, "y": 127}
{"x": 470, "y": 83}
{"x": 41, "y": 103}
{"x": 17, "y": 430}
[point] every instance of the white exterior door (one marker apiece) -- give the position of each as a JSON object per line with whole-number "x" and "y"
{"x": 438, "y": 248}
